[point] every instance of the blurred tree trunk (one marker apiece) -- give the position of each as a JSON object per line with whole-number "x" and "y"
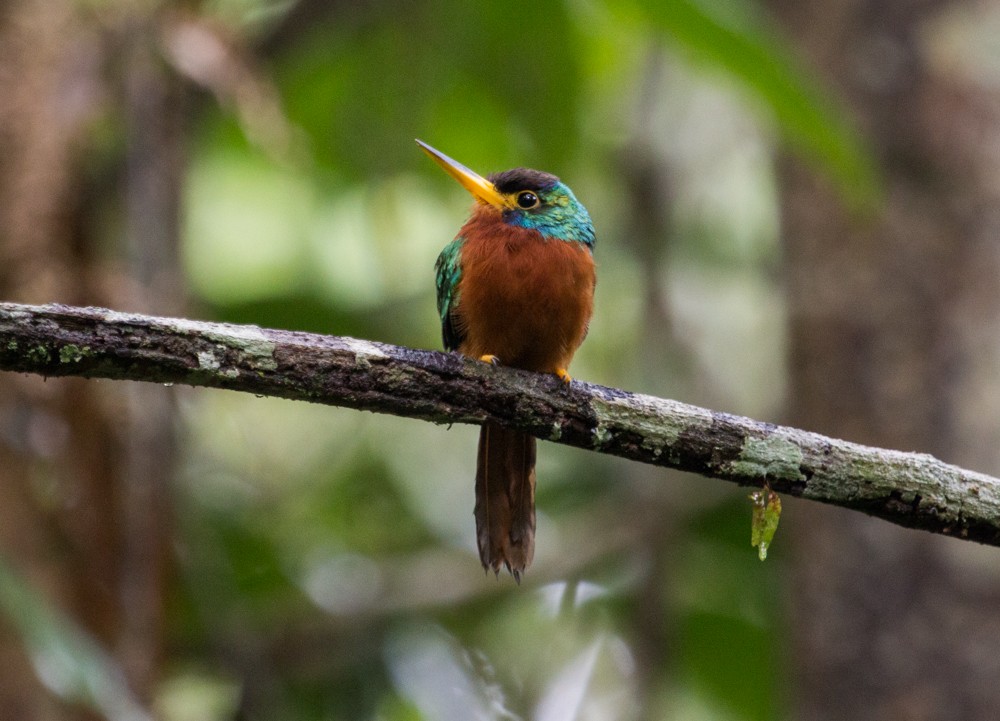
{"x": 895, "y": 341}
{"x": 83, "y": 506}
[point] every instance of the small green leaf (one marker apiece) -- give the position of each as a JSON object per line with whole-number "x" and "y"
{"x": 766, "y": 512}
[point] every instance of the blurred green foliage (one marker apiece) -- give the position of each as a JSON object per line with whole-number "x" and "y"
{"x": 67, "y": 660}
{"x": 326, "y": 557}
{"x": 735, "y": 37}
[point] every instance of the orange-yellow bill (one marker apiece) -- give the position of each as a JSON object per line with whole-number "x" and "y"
{"x": 483, "y": 190}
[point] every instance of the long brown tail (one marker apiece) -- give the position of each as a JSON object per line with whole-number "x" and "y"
{"x": 505, "y": 499}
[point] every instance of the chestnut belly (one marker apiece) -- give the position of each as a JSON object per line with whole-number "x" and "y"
{"x": 526, "y": 300}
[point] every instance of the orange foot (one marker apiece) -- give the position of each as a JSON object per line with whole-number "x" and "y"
{"x": 491, "y": 359}
{"x": 564, "y": 375}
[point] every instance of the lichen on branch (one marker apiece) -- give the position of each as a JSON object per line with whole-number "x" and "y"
{"x": 910, "y": 489}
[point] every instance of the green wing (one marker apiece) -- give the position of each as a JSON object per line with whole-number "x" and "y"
{"x": 448, "y": 271}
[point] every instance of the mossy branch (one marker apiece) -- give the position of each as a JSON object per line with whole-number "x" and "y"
{"x": 910, "y": 489}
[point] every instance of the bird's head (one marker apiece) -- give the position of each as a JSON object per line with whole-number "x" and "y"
{"x": 525, "y": 198}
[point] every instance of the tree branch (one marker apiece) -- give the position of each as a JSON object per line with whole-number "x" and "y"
{"x": 909, "y": 489}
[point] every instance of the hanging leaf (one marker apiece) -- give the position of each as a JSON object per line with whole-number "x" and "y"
{"x": 766, "y": 512}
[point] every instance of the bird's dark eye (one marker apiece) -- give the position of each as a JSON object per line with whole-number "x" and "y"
{"x": 526, "y": 199}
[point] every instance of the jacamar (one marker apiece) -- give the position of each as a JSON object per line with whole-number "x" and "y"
{"x": 515, "y": 287}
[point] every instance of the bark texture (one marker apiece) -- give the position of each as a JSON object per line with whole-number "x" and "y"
{"x": 55, "y": 459}
{"x": 894, "y": 323}
{"x": 910, "y": 489}
{"x": 80, "y": 480}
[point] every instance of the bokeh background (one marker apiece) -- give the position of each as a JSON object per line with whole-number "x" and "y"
{"x": 797, "y": 209}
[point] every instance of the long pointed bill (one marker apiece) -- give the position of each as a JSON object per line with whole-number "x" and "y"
{"x": 480, "y": 187}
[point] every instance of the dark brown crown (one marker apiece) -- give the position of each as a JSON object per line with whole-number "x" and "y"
{"x": 513, "y": 181}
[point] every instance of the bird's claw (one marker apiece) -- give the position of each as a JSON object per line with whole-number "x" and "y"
{"x": 491, "y": 359}
{"x": 564, "y": 376}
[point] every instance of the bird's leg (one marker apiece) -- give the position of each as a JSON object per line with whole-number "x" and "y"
{"x": 564, "y": 376}
{"x": 491, "y": 359}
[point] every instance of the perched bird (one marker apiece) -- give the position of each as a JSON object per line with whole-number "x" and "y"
{"x": 515, "y": 287}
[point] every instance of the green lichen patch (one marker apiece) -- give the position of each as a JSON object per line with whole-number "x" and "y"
{"x": 364, "y": 351}
{"x": 260, "y": 350}
{"x": 208, "y": 361}
{"x": 602, "y": 435}
{"x": 659, "y": 422}
{"x": 249, "y": 341}
{"x": 39, "y": 354}
{"x": 771, "y": 457}
{"x": 73, "y": 353}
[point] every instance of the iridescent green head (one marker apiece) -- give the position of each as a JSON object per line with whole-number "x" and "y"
{"x": 544, "y": 203}
{"x": 526, "y": 198}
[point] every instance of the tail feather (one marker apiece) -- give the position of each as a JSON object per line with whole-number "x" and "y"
{"x": 505, "y": 499}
